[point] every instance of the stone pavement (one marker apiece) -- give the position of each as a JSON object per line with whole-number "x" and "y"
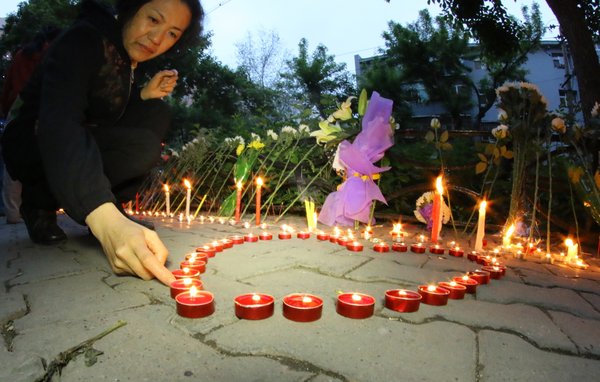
{"x": 539, "y": 323}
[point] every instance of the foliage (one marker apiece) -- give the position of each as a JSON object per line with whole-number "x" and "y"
{"x": 261, "y": 58}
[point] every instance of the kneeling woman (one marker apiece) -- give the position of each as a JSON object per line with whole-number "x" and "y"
{"x": 83, "y": 134}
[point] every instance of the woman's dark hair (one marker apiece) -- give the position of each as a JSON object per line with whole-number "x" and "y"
{"x": 126, "y": 9}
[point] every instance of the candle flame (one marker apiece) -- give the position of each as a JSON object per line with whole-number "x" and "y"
{"x": 465, "y": 278}
{"x": 306, "y": 299}
{"x": 239, "y": 185}
{"x": 402, "y": 292}
{"x": 356, "y": 297}
{"x": 482, "y": 206}
{"x": 186, "y": 270}
{"x": 187, "y": 184}
{"x": 569, "y": 242}
{"x": 193, "y": 291}
{"x": 453, "y": 283}
{"x": 166, "y": 187}
{"x": 259, "y": 182}
{"x": 431, "y": 288}
{"x": 421, "y": 238}
{"x": 397, "y": 228}
{"x": 438, "y": 185}
{"x": 509, "y": 231}
{"x": 187, "y": 281}
{"x": 255, "y": 297}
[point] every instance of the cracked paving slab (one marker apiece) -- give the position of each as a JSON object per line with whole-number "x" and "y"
{"x": 585, "y": 333}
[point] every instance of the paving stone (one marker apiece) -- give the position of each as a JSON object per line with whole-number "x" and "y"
{"x": 12, "y": 306}
{"x": 19, "y": 367}
{"x": 543, "y": 280}
{"x": 528, "y": 321}
{"x": 566, "y": 300}
{"x": 360, "y": 349}
{"x": 584, "y": 332}
{"x": 36, "y": 265}
{"x": 72, "y": 297}
{"x": 593, "y": 299}
{"x": 393, "y": 272}
{"x": 506, "y": 357}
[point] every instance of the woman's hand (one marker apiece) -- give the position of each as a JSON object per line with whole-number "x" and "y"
{"x": 129, "y": 247}
{"x": 161, "y": 85}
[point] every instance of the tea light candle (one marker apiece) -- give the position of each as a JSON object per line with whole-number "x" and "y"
{"x": 355, "y": 305}
{"x": 473, "y": 255}
{"x": 198, "y": 265}
{"x": 399, "y": 247}
{"x": 250, "y": 238}
{"x": 467, "y": 282}
{"x": 495, "y": 272}
{"x": 254, "y": 306}
{"x": 201, "y": 256}
{"x": 265, "y": 236}
{"x": 302, "y": 307}
{"x": 227, "y": 243}
{"x": 237, "y": 239}
{"x": 396, "y": 232}
{"x": 284, "y": 235}
{"x": 417, "y": 248}
{"x": 434, "y": 295}
{"x": 481, "y": 276}
{"x": 343, "y": 241}
{"x": 548, "y": 259}
{"x": 186, "y": 273}
{"x": 381, "y": 247}
{"x": 354, "y": 246}
{"x": 457, "y": 291}
{"x": 456, "y": 251}
{"x": 402, "y": 300}
{"x": 322, "y": 236}
{"x": 303, "y": 235}
{"x": 436, "y": 249}
{"x": 195, "y": 303}
{"x": 206, "y": 249}
{"x": 184, "y": 285}
{"x": 218, "y": 247}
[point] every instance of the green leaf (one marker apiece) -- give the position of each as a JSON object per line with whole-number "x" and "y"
{"x": 429, "y": 137}
{"x": 444, "y": 136}
{"x": 228, "y": 205}
{"x": 362, "y": 102}
{"x": 480, "y": 167}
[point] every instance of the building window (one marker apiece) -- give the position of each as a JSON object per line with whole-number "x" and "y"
{"x": 566, "y": 98}
{"x": 559, "y": 60}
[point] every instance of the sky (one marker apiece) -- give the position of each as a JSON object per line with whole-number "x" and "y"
{"x": 345, "y": 27}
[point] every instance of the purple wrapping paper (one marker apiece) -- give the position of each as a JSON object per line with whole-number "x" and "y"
{"x": 352, "y": 201}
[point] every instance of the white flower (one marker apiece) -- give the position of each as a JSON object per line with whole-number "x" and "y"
{"x": 500, "y": 132}
{"x": 435, "y": 123}
{"x": 303, "y": 129}
{"x": 271, "y": 134}
{"x": 337, "y": 164}
{"x": 254, "y": 137}
{"x": 239, "y": 140}
{"x": 194, "y": 141}
{"x": 502, "y": 116}
{"x": 174, "y": 153}
{"x": 289, "y": 130}
{"x": 596, "y": 110}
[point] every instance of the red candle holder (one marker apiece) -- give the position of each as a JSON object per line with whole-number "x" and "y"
{"x": 237, "y": 239}
{"x": 250, "y": 238}
{"x": 322, "y": 236}
{"x": 484, "y": 260}
{"x": 381, "y": 247}
{"x": 198, "y": 265}
{"x": 201, "y": 256}
{"x": 210, "y": 252}
{"x": 467, "y": 282}
{"x": 343, "y": 241}
{"x": 218, "y": 247}
{"x": 284, "y": 235}
{"x": 354, "y": 246}
{"x": 399, "y": 247}
{"x": 227, "y": 243}
{"x": 355, "y": 305}
{"x": 495, "y": 272}
{"x": 184, "y": 285}
{"x": 436, "y": 250}
{"x": 481, "y": 276}
{"x": 434, "y": 295}
{"x": 402, "y": 300}
{"x": 265, "y": 236}
{"x": 195, "y": 303}
{"x": 456, "y": 252}
{"x": 303, "y": 235}
{"x": 473, "y": 255}
{"x": 254, "y": 306}
{"x": 417, "y": 248}
{"x": 186, "y": 273}
{"x": 457, "y": 291}
{"x": 302, "y": 307}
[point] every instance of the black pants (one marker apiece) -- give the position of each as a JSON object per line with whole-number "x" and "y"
{"x": 129, "y": 150}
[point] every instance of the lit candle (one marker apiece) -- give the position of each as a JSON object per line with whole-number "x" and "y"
{"x": 237, "y": 239}
{"x": 397, "y": 234}
{"x": 368, "y": 233}
{"x": 507, "y": 236}
{"x": 184, "y": 285}
{"x": 250, "y": 238}
{"x": 188, "y": 198}
{"x": 195, "y": 303}
{"x": 194, "y": 264}
{"x": 456, "y": 251}
{"x": 468, "y": 282}
{"x": 354, "y": 246}
{"x": 265, "y": 235}
{"x": 303, "y": 235}
{"x": 302, "y": 307}
{"x": 399, "y": 246}
{"x": 208, "y": 250}
{"x": 167, "y": 200}
{"x": 436, "y": 212}
{"x": 259, "y": 184}
{"x": 322, "y": 236}
{"x": 480, "y": 226}
{"x": 572, "y": 250}
{"x": 355, "y": 305}
{"x": 381, "y": 247}
{"x": 401, "y": 300}
{"x": 437, "y": 250}
{"x": 434, "y": 295}
{"x": 238, "y": 201}
{"x": 457, "y": 291}
{"x": 254, "y": 306}
{"x": 186, "y": 273}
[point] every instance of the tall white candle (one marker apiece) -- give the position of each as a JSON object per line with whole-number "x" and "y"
{"x": 167, "y": 200}
{"x": 188, "y": 199}
{"x": 572, "y": 251}
{"x": 480, "y": 226}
